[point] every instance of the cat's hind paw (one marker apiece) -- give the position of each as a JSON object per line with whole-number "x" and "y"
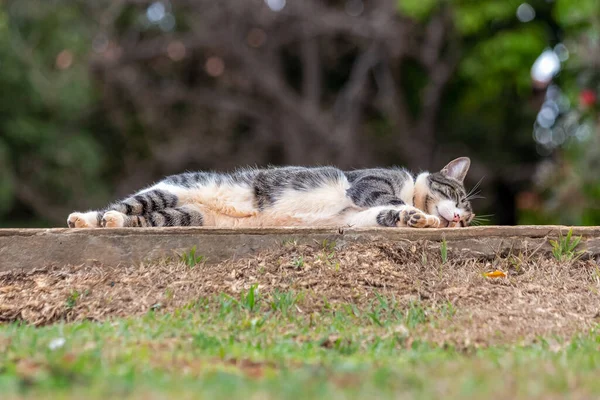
{"x": 113, "y": 219}
{"x": 83, "y": 220}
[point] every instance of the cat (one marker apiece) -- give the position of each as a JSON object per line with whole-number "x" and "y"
{"x": 295, "y": 196}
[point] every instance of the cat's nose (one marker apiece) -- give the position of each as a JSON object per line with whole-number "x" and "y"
{"x": 456, "y": 217}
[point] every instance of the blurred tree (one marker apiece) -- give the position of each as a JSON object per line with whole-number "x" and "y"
{"x": 48, "y": 153}
{"x": 568, "y": 188}
{"x": 137, "y": 89}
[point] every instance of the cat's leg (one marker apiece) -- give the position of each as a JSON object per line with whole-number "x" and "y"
{"x": 408, "y": 216}
{"x": 179, "y": 216}
{"x": 143, "y": 204}
{"x": 393, "y": 216}
{"x": 139, "y": 204}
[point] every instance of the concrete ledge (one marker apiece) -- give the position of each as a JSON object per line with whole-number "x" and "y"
{"x": 32, "y": 248}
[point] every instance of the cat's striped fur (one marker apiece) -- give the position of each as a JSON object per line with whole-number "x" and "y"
{"x": 294, "y": 196}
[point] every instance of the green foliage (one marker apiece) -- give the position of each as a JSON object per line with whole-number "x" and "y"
{"x": 72, "y": 299}
{"x": 444, "y": 251}
{"x": 576, "y": 13}
{"x": 567, "y": 190}
{"x": 504, "y": 58}
{"x": 298, "y": 262}
{"x": 564, "y": 249}
{"x": 472, "y": 17}
{"x": 49, "y": 109}
{"x": 284, "y": 301}
{"x": 190, "y": 258}
{"x": 328, "y": 245}
{"x": 417, "y": 9}
{"x": 250, "y": 300}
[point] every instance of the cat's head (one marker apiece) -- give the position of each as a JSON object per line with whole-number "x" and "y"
{"x": 443, "y": 193}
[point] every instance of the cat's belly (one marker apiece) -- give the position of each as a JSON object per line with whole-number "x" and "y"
{"x": 321, "y": 206}
{"x": 233, "y": 206}
{"x": 270, "y": 218}
{"x": 226, "y": 200}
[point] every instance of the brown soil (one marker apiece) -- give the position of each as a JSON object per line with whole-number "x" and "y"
{"x": 539, "y": 296}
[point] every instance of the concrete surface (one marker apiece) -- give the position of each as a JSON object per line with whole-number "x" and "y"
{"x": 32, "y": 248}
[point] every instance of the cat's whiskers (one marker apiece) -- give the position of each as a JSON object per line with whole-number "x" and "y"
{"x": 475, "y": 191}
{"x": 474, "y": 197}
{"x": 481, "y": 219}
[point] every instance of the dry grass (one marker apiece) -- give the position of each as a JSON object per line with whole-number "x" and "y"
{"x": 539, "y": 296}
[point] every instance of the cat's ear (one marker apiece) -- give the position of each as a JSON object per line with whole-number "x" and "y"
{"x": 457, "y": 169}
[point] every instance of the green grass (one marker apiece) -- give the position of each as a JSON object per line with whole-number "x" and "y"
{"x": 72, "y": 299}
{"x": 268, "y": 347}
{"x": 564, "y": 249}
{"x": 190, "y": 258}
{"x": 444, "y": 251}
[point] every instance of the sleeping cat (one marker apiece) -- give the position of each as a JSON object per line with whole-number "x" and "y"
{"x": 295, "y": 196}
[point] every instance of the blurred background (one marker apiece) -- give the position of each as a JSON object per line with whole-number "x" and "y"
{"x": 100, "y": 98}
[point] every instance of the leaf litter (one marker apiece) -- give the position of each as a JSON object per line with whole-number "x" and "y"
{"x": 542, "y": 297}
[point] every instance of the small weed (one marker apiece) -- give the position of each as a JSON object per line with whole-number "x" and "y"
{"x": 169, "y": 293}
{"x": 298, "y": 262}
{"x": 352, "y": 310}
{"x": 563, "y": 249}
{"x": 200, "y": 303}
{"x": 72, "y": 298}
{"x": 384, "y": 303}
{"x": 328, "y": 245}
{"x": 444, "y": 251}
{"x": 597, "y": 273}
{"x": 283, "y": 301}
{"x": 249, "y": 299}
{"x": 375, "y": 317}
{"x": 415, "y": 315}
{"x": 190, "y": 258}
{"x": 517, "y": 262}
{"x": 447, "y": 310}
{"x": 327, "y": 258}
{"x": 226, "y": 304}
{"x": 290, "y": 242}
{"x": 385, "y": 311}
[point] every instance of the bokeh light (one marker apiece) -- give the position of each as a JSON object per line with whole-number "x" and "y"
{"x": 155, "y": 12}
{"x": 545, "y": 67}
{"x": 64, "y": 59}
{"x": 215, "y": 66}
{"x": 525, "y": 12}
{"x": 275, "y": 5}
{"x": 176, "y": 50}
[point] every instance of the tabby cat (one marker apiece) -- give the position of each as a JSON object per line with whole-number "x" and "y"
{"x": 295, "y": 196}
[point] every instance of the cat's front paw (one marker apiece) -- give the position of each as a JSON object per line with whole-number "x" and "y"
{"x": 416, "y": 218}
{"x": 83, "y": 220}
{"x": 113, "y": 219}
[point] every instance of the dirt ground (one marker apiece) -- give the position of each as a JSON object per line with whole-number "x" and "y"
{"x": 538, "y": 296}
